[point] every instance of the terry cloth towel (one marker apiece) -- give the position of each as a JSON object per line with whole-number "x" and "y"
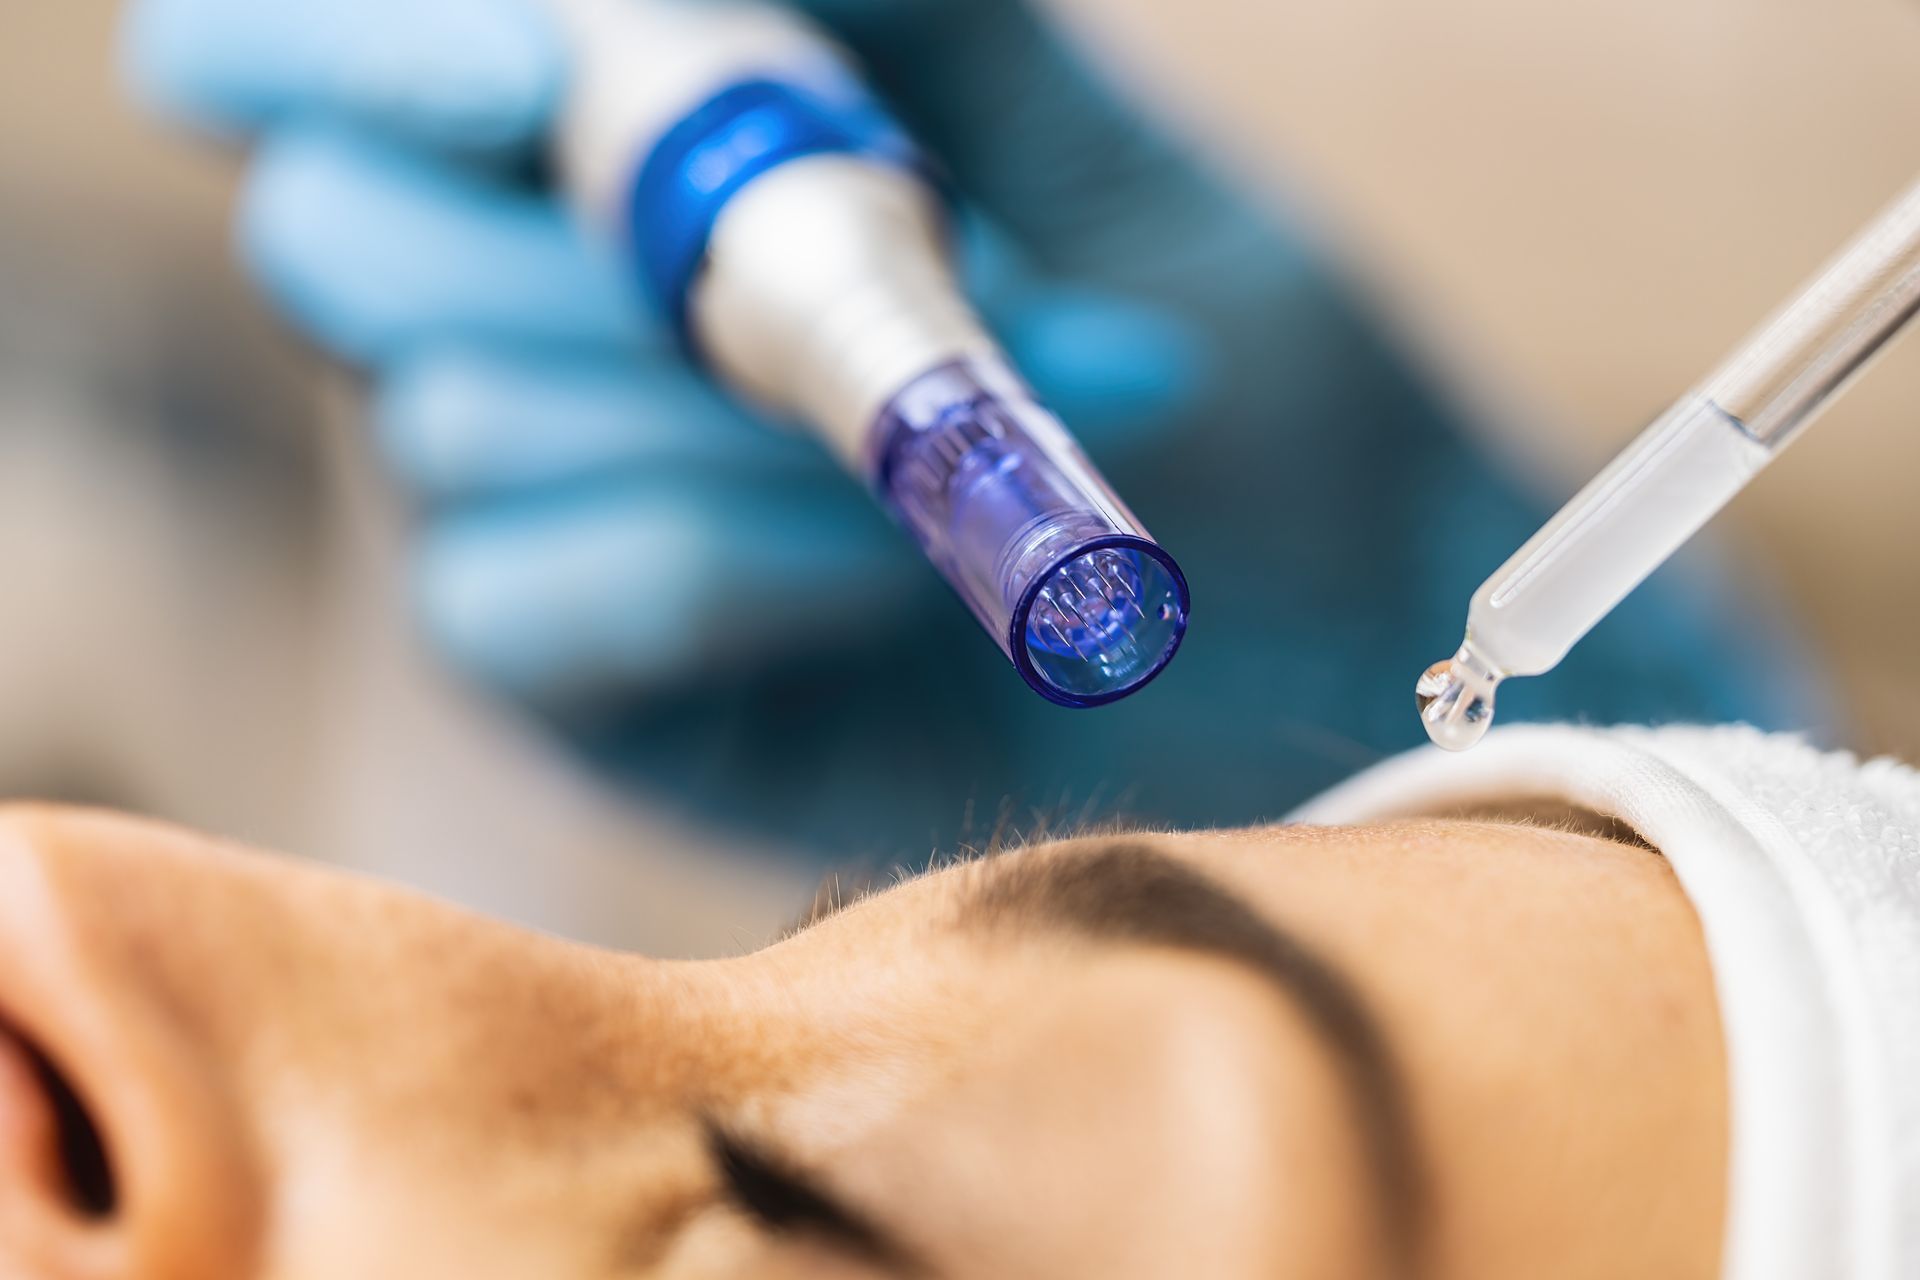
{"x": 1804, "y": 868}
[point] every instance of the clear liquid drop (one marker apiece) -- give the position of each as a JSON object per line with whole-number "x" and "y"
{"x": 1455, "y": 698}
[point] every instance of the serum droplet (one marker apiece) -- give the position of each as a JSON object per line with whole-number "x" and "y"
{"x": 1455, "y": 698}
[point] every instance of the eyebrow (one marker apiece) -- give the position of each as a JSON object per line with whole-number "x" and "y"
{"x": 1128, "y": 893}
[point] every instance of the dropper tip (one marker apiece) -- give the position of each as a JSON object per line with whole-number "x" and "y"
{"x": 1455, "y": 698}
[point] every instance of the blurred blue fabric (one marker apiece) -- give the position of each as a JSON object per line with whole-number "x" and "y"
{"x": 717, "y": 617}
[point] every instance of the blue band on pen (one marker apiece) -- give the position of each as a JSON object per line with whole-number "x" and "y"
{"x": 737, "y": 135}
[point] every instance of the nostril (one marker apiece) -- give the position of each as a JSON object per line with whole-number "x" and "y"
{"x": 64, "y": 1142}
{"x": 83, "y": 1155}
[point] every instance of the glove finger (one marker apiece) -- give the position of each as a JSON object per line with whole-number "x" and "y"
{"x": 460, "y": 423}
{"x": 644, "y": 585}
{"x": 1121, "y": 372}
{"x": 1122, "y": 375}
{"x": 464, "y": 420}
{"x": 373, "y": 250}
{"x": 468, "y": 74}
{"x": 1036, "y": 135}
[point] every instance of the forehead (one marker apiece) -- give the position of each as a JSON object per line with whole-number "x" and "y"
{"x": 946, "y": 944}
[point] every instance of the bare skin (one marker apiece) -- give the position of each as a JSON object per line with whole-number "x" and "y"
{"x": 1503, "y": 1060}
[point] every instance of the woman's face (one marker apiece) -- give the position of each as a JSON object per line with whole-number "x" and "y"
{"x": 1445, "y": 1049}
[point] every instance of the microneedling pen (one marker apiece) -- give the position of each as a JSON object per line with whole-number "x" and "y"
{"x": 788, "y": 230}
{"x": 1673, "y": 479}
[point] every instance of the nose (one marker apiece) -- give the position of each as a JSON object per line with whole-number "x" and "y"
{"x": 117, "y": 1158}
{"x": 221, "y": 1064}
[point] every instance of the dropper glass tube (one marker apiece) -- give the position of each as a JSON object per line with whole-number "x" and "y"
{"x": 1678, "y": 474}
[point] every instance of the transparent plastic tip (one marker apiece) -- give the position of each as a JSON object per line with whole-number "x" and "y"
{"x": 1006, "y": 506}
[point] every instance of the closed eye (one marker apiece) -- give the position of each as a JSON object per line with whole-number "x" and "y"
{"x": 787, "y": 1201}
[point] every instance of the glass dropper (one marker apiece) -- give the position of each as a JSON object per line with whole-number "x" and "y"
{"x": 1678, "y": 474}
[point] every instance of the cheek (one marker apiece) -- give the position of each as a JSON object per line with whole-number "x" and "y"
{"x": 720, "y": 1246}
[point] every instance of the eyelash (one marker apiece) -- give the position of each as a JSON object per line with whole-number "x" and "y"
{"x": 783, "y": 1201}
{"x": 771, "y": 1195}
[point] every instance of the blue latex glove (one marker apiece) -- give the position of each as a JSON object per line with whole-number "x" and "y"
{"x": 592, "y": 514}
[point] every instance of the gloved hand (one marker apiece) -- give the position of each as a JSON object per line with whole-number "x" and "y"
{"x": 715, "y": 614}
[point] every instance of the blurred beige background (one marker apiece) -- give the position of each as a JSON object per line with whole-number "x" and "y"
{"x": 1581, "y": 205}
